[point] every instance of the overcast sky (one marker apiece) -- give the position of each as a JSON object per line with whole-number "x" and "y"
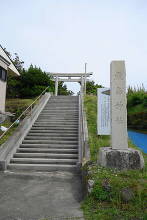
{"x": 61, "y": 35}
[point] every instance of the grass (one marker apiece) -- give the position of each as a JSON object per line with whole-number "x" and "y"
{"x": 107, "y": 204}
{"x": 16, "y": 106}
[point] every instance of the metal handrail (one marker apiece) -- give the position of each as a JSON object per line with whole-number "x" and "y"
{"x": 30, "y": 106}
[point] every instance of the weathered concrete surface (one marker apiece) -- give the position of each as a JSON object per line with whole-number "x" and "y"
{"x": 120, "y": 159}
{"x": 36, "y": 197}
{"x": 119, "y": 136}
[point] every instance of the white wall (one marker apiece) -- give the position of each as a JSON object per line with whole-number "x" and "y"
{"x": 2, "y": 89}
{"x": 2, "y": 95}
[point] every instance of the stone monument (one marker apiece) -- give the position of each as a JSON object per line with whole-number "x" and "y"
{"x": 119, "y": 156}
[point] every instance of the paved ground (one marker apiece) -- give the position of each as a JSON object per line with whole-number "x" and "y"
{"x": 35, "y": 196}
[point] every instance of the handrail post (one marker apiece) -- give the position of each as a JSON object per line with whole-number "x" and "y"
{"x": 56, "y": 86}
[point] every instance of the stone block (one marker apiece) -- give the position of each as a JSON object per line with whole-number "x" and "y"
{"x": 121, "y": 159}
{"x": 119, "y": 136}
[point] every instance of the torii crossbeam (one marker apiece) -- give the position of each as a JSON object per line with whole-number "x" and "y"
{"x": 70, "y": 77}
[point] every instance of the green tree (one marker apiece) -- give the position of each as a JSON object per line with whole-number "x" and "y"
{"x": 34, "y": 81}
{"x": 91, "y": 87}
{"x": 62, "y": 89}
{"x": 31, "y": 83}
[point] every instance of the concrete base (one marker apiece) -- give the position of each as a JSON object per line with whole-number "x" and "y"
{"x": 120, "y": 159}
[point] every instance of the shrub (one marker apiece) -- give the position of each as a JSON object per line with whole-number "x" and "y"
{"x": 145, "y": 100}
{"x": 138, "y": 120}
{"x": 135, "y": 99}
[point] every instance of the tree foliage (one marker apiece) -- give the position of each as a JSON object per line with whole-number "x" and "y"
{"x": 137, "y": 108}
{"x": 31, "y": 82}
{"x": 91, "y": 88}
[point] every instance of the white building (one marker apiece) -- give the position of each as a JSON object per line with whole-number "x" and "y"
{"x": 5, "y": 65}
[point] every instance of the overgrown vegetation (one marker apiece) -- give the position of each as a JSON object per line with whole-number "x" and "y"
{"x": 7, "y": 124}
{"x": 137, "y": 108}
{"x": 16, "y": 106}
{"x": 107, "y": 200}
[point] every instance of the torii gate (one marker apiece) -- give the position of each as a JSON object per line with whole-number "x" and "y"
{"x": 70, "y": 77}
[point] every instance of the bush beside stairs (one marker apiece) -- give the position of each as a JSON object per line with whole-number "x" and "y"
{"x": 52, "y": 142}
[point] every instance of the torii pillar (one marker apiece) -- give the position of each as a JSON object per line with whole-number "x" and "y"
{"x": 56, "y": 86}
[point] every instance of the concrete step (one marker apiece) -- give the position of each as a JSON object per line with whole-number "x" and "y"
{"x": 60, "y": 111}
{"x": 55, "y": 106}
{"x": 47, "y": 150}
{"x": 57, "y": 98}
{"x": 65, "y": 116}
{"x": 55, "y": 128}
{"x": 63, "y": 100}
{"x": 74, "y": 115}
{"x": 55, "y": 146}
{"x": 48, "y": 130}
{"x": 50, "y": 142}
{"x": 41, "y": 137}
{"x": 58, "y": 119}
{"x": 59, "y": 106}
{"x": 51, "y": 125}
{"x": 48, "y": 118}
{"x": 42, "y": 161}
{"x": 63, "y": 108}
{"x": 68, "y": 112}
{"x": 48, "y": 134}
{"x": 59, "y": 116}
{"x": 71, "y": 109}
{"x": 42, "y": 167}
{"x": 56, "y": 122}
{"x": 45, "y": 155}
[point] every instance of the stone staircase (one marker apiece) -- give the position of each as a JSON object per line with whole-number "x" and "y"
{"x": 52, "y": 142}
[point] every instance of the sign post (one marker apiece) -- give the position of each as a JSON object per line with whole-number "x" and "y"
{"x": 103, "y": 112}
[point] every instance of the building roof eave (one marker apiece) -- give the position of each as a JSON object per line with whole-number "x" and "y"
{"x": 7, "y": 59}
